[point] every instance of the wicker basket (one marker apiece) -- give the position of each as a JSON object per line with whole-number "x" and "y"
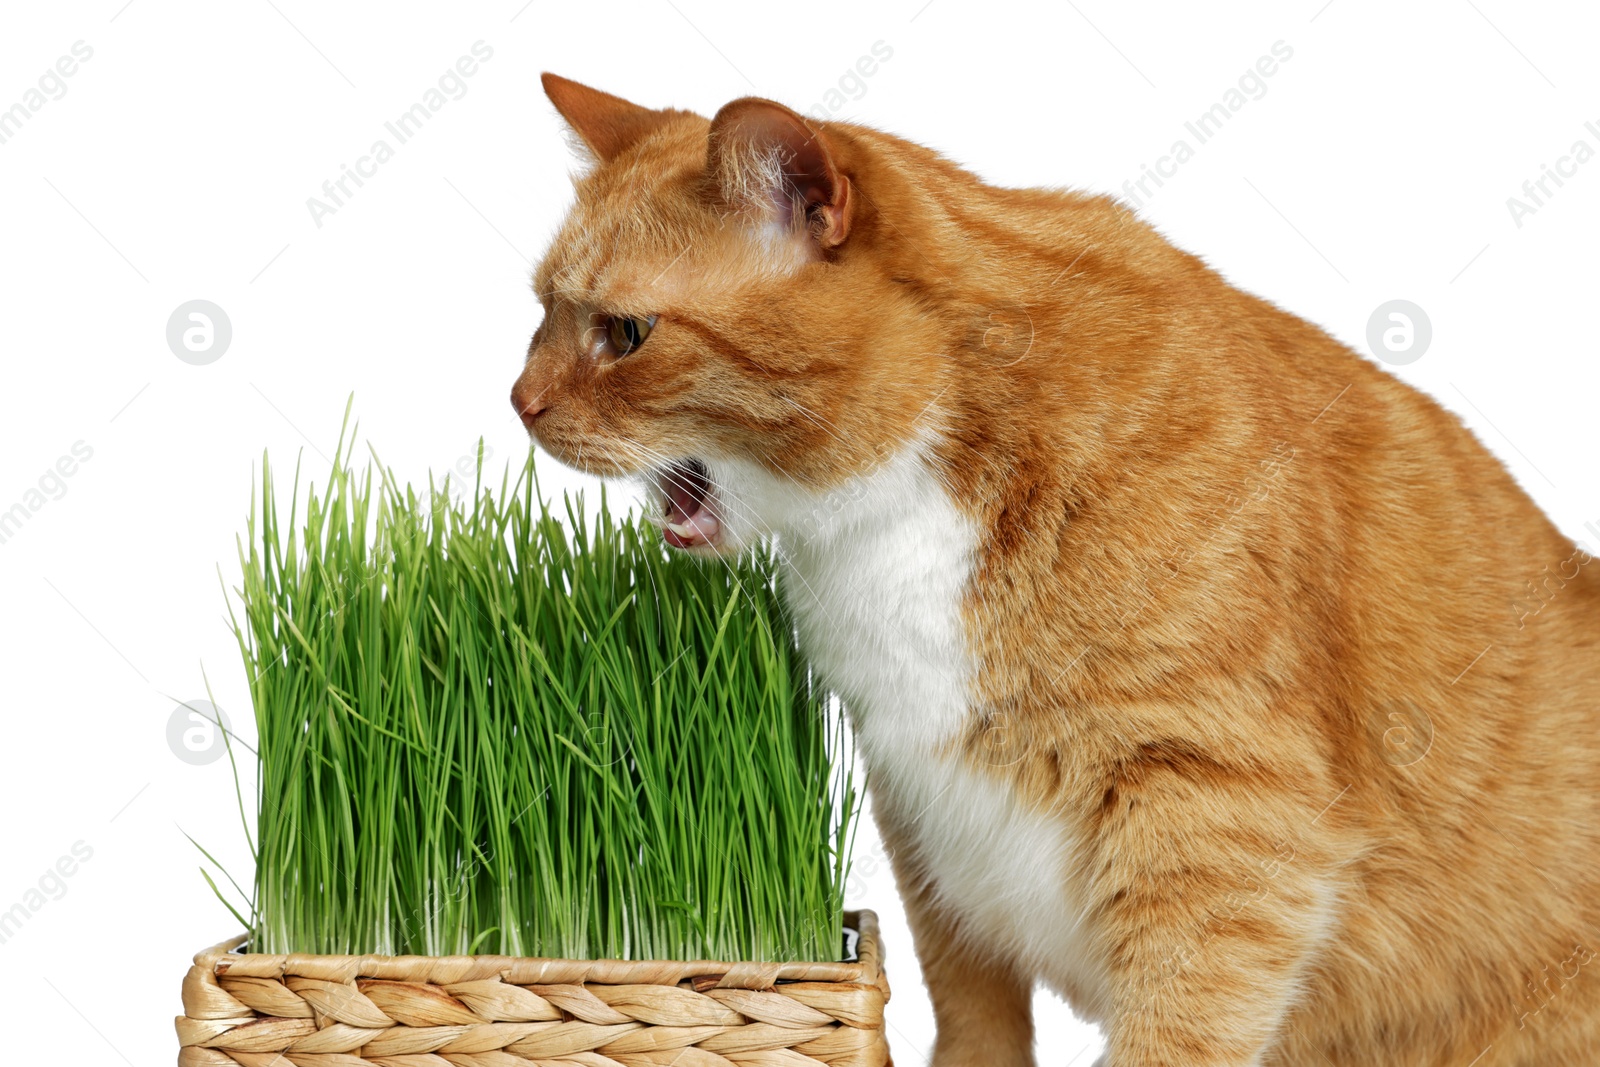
{"x": 504, "y": 1011}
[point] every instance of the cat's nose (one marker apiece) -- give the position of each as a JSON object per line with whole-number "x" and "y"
{"x": 528, "y": 398}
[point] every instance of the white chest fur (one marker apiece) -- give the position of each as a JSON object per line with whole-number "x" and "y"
{"x": 876, "y": 588}
{"x": 876, "y": 577}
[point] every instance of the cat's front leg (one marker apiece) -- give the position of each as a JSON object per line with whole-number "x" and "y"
{"x": 1219, "y": 892}
{"x": 982, "y": 1005}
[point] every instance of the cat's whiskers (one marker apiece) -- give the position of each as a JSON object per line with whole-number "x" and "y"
{"x": 938, "y": 474}
{"x": 814, "y": 418}
{"x": 796, "y": 573}
{"x": 657, "y": 463}
{"x": 653, "y": 462}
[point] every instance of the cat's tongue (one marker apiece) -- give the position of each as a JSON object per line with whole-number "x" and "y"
{"x": 689, "y": 520}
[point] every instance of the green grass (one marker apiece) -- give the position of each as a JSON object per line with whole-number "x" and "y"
{"x": 488, "y": 726}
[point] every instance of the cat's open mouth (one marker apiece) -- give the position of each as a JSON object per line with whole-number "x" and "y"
{"x": 690, "y": 520}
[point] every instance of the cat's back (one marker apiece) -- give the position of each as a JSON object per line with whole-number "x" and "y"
{"x": 1361, "y": 547}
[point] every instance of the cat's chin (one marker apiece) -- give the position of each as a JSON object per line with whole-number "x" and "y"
{"x": 690, "y": 536}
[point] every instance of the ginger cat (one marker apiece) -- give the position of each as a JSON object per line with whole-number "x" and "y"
{"x": 1203, "y": 671}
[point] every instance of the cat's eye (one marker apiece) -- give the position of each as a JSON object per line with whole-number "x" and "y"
{"x": 624, "y": 333}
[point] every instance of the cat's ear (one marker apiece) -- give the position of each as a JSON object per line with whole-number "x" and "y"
{"x": 607, "y": 125}
{"x": 767, "y": 159}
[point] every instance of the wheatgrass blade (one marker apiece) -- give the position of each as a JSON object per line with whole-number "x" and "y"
{"x": 489, "y": 726}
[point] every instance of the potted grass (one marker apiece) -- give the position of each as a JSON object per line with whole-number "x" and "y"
{"x": 532, "y": 789}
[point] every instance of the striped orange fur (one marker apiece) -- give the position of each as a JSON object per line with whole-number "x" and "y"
{"x": 1204, "y": 671}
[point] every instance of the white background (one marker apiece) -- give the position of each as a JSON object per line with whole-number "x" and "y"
{"x": 178, "y": 164}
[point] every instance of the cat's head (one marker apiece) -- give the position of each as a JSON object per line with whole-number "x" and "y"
{"x": 726, "y": 314}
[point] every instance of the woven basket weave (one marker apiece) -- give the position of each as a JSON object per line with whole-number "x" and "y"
{"x": 504, "y": 1011}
